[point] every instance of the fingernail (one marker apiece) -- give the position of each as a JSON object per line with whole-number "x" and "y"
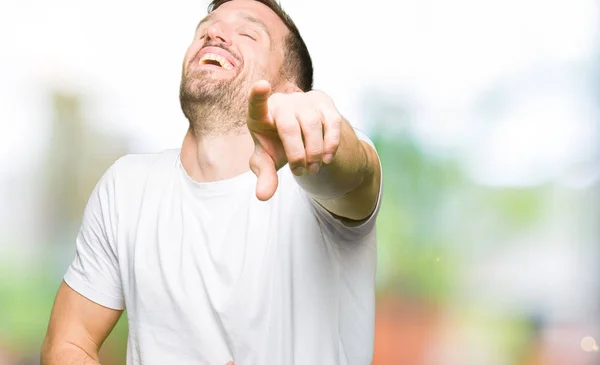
{"x": 299, "y": 171}
{"x": 327, "y": 158}
{"x": 313, "y": 168}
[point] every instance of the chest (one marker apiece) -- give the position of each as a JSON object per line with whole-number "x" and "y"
{"x": 231, "y": 275}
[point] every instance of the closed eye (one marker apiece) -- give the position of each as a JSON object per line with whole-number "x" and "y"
{"x": 248, "y": 36}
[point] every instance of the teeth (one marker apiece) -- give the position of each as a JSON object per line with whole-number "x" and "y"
{"x": 215, "y": 57}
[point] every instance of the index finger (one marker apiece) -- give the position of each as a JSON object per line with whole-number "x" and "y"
{"x": 258, "y": 101}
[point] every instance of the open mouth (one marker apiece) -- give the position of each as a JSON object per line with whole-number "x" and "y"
{"x": 215, "y": 60}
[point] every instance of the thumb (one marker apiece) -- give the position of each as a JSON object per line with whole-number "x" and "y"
{"x": 263, "y": 167}
{"x": 258, "y": 101}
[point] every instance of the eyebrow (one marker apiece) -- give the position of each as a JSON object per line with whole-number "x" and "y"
{"x": 249, "y": 18}
{"x": 206, "y": 19}
{"x": 244, "y": 16}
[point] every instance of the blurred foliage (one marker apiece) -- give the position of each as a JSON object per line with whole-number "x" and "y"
{"x": 27, "y": 295}
{"x": 432, "y": 211}
{"x": 413, "y": 228}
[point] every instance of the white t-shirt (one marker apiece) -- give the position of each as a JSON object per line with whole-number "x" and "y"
{"x": 209, "y": 274}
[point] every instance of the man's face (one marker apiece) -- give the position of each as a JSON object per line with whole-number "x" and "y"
{"x": 237, "y": 44}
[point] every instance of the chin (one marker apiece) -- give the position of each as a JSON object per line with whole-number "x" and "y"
{"x": 212, "y": 85}
{"x": 205, "y": 90}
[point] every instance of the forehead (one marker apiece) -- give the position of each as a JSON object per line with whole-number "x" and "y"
{"x": 249, "y": 9}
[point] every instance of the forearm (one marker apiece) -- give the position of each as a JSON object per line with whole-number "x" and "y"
{"x": 66, "y": 355}
{"x": 350, "y": 169}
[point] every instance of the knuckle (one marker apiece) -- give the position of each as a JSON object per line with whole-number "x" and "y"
{"x": 313, "y": 123}
{"x": 310, "y": 119}
{"x": 316, "y": 157}
{"x": 335, "y": 120}
{"x": 338, "y": 119}
{"x": 322, "y": 97}
{"x": 296, "y": 156}
{"x": 275, "y": 101}
{"x": 314, "y": 152}
{"x": 331, "y": 147}
{"x": 331, "y": 143}
{"x": 288, "y": 129}
{"x": 296, "y": 162}
{"x": 315, "y": 93}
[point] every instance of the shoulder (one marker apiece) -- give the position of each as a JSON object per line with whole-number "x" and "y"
{"x": 125, "y": 183}
{"x": 130, "y": 173}
{"x": 141, "y": 162}
{"x": 133, "y": 168}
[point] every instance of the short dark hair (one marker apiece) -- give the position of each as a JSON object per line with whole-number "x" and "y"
{"x": 297, "y": 65}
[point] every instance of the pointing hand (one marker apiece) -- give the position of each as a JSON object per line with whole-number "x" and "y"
{"x": 300, "y": 129}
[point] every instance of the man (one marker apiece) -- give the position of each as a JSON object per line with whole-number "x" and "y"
{"x": 217, "y": 263}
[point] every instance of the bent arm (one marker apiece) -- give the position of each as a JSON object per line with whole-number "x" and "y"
{"x": 77, "y": 329}
{"x": 349, "y": 186}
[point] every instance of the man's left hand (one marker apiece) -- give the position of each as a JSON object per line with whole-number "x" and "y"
{"x": 301, "y": 129}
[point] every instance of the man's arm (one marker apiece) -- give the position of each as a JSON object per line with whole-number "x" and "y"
{"x": 77, "y": 329}
{"x": 348, "y": 186}
{"x": 306, "y": 131}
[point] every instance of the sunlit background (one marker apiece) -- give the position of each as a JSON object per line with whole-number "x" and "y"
{"x": 486, "y": 115}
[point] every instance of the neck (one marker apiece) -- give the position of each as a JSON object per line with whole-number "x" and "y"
{"x": 208, "y": 158}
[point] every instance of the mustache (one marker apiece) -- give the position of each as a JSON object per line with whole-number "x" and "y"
{"x": 223, "y": 47}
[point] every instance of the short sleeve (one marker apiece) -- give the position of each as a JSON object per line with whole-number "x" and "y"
{"x": 344, "y": 230}
{"x": 94, "y": 272}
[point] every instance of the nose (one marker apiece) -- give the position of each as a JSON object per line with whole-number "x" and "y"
{"x": 217, "y": 33}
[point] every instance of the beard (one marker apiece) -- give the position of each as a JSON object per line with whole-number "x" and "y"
{"x": 215, "y": 106}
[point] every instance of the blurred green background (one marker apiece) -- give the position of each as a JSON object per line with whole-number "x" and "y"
{"x": 486, "y": 118}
